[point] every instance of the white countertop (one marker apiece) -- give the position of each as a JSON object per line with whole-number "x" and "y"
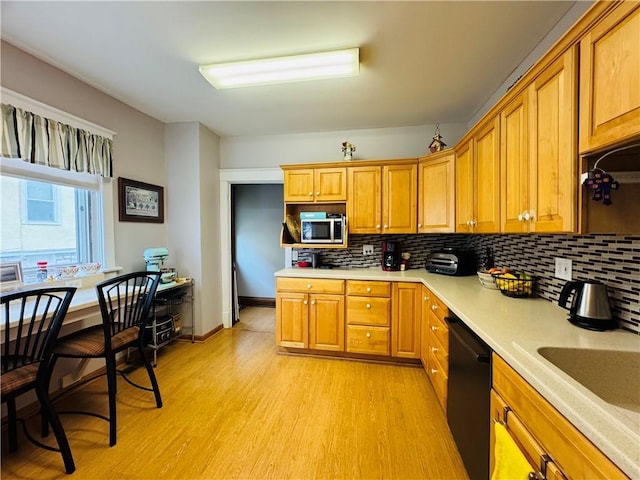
{"x": 515, "y": 328}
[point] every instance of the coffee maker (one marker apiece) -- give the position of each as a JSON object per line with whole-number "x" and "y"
{"x": 390, "y": 256}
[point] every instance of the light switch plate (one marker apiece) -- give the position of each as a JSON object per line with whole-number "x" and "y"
{"x": 563, "y": 268}
{"x": 367, "y": 249}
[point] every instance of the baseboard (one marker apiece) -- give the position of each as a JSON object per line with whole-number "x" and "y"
{"x": 257, "y": 302}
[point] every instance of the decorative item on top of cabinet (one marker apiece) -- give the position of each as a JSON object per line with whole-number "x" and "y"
{"x": 478, "y": 180}
{"x": 570, "y": 450}
{"x": 383, "y": 198}
{"x": 436, "y": 193}
{"x": 437, "y": 145}
{"x": 310, "y": 313}
{"x": 609, "y": 79}
{"x": 406, "y": 320}
{"x": 368, "y": 315}
{"x": 319, "y": 184}
{"x": 538, "y": 148}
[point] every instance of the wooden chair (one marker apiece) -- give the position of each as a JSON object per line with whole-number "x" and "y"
{"x": 125, "y": 303}
{"x": 32, "y": 321}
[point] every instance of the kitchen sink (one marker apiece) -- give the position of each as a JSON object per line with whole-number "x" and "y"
{"x": 612, "y": 375}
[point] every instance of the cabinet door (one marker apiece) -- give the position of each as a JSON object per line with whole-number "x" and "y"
{"x": 514, "y": 160}
{"x": 298, "y": 185}
{"x": 326, "y": 322}
{"x": 424, "y": 328}
{"x": 436, "y": 195}
{"x": 364, "y": 199}
{"x": 292, "y": 320}
{"x": 487, "y": 177}
{"x": 609, "y": 79}
{"x": 553, "y": 156}
{"x": 399, "y": 198}
{"x": 406, "y": 320}
{"x": 330, "y": 184}
{"x": 464, "y": 188}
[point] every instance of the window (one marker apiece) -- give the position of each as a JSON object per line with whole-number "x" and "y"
{"x": 49, "y": 215}
{"x": 41, "y": 204}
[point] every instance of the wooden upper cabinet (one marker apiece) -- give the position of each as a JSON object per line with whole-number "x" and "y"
{"x": 610, "y": 79}
{"x": 514, "y": 166}
{"x": 478, "y": 181}
{"x": 553, "y": 157}
{"x": 487, "y": 177}
{"x": 464, "y": 189}
{"x": 436, "y": 193}
{"x": 399, "y": 198}
{"x": 383, "y": 199}
{"x": 365, "y": 199}
{"x": 315, "y": 185}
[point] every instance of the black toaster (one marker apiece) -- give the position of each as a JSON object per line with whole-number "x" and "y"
{"x": 449, "y": 261}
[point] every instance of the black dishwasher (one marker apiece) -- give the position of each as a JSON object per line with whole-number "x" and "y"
{"x": 468, "y": 410}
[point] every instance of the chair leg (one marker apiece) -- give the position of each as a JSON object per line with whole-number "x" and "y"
{"x": 63, "y": 444}
{"x": 13, "y": 424}
{"x": 44, "y": 418}
{"x": 111, "y": 382}
{"x": 152, "y": 376}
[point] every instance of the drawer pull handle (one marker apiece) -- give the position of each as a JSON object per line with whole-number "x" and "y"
{"x": 434, "y": 307}
{"x": 434, "y": 371}
{"x": 368, "y": 305}
{"x": 308, "y": 285}
{"x": 368, "y": 335}
{"x": 434, "y": 349}
{"x": 311, "y": 194}
{"x": 434, "y": 328}
{"x": 368, "y": 289}
{"x": 425, "y": 298}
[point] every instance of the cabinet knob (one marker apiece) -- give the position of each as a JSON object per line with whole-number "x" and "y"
{"x": 419, "y": 225}
{"x": 368, "y": 289}
{"x": 308, "y": 285}
{"x": 313, "y": 302}
{"x": 425, "y": 298}
{"x": 368, "y": 305}
{"x": 386, "y": 226}
{"x": 528, "y": 216}
{"x": 434, "y": 307}
{"x": 305, "y": 302}
{"x": 378, "y": 226}
{"x": 520, "y": 218}
{"x": 434, "y": 328}
{"x": 434, "y": 349}
{"x": 311, "y": 194}
{"x": 434, "y": 371}
{"x": 473, "y": 223}
{"x": 368, "y": 335}
{"x": 318, "y": 194}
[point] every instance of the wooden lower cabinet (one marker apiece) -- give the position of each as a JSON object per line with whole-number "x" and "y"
{"x": 368, "y": 317}
{"x": 538, "y": 428}
{"x": 310, "y": 313}
{"x": 424, "y": 327}
{"x": 437, "y": 349}
{"x": 405, "y": 320}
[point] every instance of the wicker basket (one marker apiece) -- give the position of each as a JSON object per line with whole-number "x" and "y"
{"x": 487, "y": 280}
{"x": 516, "y": 287}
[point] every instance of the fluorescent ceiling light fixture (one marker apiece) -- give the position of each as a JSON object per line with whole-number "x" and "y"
{"x": 297, "y": 68}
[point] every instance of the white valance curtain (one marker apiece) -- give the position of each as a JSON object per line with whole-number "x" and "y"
{"x": 42, "y": 141}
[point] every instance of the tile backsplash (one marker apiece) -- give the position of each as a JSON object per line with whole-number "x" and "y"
{"x": 611, "y": 259}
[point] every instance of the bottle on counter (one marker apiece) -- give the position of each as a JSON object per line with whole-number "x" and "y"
{"x": 41, "y": 274}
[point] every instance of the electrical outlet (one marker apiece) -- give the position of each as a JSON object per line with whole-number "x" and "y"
{"x": 367, "y": 249}
{"x": 563, "y": 268}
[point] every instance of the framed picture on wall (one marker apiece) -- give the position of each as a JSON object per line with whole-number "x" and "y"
{"x": 140, "y": 202}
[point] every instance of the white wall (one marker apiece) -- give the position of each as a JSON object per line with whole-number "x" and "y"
{"x": 138, "y": 146}
{"x": 560, "y": 28}
{"x": 372, "y": 144}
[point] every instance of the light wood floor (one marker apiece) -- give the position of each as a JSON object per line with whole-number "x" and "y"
{"x": 235, "y": 408}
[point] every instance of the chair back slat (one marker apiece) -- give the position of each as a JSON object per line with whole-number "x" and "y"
{"x": 32, "y": 318}
{"x": 125, "y": 301}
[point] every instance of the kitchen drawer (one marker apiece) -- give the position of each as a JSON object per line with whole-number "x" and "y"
{"x": 310, "y": 285}
{"x": 361, "y": 339}
{"x": 440, "y": 353}
{"x": 368, "y": 288}
{"x": 368, "y": 311}
{"x": 439, "y": 380}
{"x": 439, "y": 330}
{"x": 438, "y": 308}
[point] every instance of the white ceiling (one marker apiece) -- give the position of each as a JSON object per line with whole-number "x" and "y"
{"x": 421, "y": 62}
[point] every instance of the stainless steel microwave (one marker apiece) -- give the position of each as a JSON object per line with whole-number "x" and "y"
{"x": 323, "y": 230}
